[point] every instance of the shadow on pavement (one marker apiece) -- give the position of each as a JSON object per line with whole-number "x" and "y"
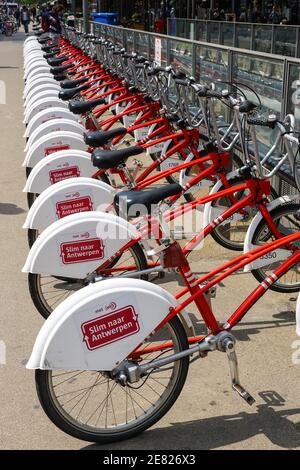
{"x": 219, "y": 431}
{"x": 7, "y": 208}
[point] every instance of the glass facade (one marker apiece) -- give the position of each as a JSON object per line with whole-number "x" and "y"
{"x": 268, "y": 38}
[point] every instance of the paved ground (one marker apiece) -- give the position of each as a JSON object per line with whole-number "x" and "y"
{"x": 208, "y": 415}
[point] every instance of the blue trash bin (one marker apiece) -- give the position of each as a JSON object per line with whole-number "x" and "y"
{"x": 106, "y": 18}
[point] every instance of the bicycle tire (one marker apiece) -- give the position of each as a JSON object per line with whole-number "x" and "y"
{"x": 260, "y": 273}
{"x": 219, "y": 233}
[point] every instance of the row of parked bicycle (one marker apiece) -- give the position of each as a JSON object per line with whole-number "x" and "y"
{"x": 113, "y": 354}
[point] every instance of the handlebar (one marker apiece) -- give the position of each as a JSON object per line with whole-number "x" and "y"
{"x": 271, "y": 123}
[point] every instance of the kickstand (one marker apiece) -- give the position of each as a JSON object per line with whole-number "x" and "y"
{"x": 234, "y": 372}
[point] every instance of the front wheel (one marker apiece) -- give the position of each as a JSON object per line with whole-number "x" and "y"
{"x": 94, "y": 407}
{"x": 287, "y": 222}
{"x": 231, "y": 233}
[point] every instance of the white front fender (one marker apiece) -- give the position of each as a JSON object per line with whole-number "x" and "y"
{"x": 98, "y": 326}
{"x": 185, "y": 178}
{"x": 51, "y": 143}
{"x": 78, "y": 244}
{"x": 161, "y": 147}
{"x": 57, "y": 167}
{"x": 276, "y": 255}
{"x": 210, "y": 213}
{"x": 67, "y": 197}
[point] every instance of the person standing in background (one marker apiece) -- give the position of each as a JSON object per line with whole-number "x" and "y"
{"x": 33, "y": 12}
{"x": 55, "y": 17}
{"x": 274, "y": 16}
{"x": 25, "y": 19}
{"x": 17, "y": 15}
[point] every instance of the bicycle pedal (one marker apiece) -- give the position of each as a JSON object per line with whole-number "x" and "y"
{"x": 243, "y": 393}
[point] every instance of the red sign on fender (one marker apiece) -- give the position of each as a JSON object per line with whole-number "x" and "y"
{"x": 81, "y": 204}
{"x": 49, "y": 150}
{"x": 84, "y": 250}
{"x": 59, "y": 175}
{"x": 110, "y": 328}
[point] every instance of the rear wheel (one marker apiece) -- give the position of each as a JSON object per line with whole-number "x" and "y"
{"x": 31, "y": 197}
{"x": 32, "y": 235}
{"x": 47, "y": 291}
{"x": 93, "y": 406}
{"x": 287, "y": 222}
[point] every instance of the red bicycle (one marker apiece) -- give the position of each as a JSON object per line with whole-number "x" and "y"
{"x": 136, "y": 386}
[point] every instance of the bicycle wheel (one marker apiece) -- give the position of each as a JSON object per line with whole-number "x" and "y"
{"x": 92, "y": 406}
{"x": 47, "y": 291}
{"x": 31, "y": 197}
{"x": 231, "y": 233}
{"x": 287, "y": 223}
{"x": 32, "y": 235}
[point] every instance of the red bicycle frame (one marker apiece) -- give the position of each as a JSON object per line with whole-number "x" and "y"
{"x": 257, "y": 189}
{"x": 198, "y": 288}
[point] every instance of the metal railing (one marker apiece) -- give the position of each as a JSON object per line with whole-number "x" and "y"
{"x": 276, "y": 79}
{"x": 267, "y": 38}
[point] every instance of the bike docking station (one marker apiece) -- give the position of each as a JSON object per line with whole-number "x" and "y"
{"x": 129, "y": 167}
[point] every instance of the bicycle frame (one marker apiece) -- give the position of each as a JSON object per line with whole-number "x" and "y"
{"x": 257, "y": 188}
{"x": 197, "y": 290}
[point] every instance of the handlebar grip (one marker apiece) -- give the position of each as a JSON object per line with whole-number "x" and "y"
{"x": 214, "y": 94}
{"x": 163, "y": 69}
{"x": 200, "y": 90}
{"x": 151, "y": 73}
{"x": 179, "y": 81}
{"x": 156, "y": 70}
{"x": 261, "y": 122}
{"x": 140, "y": 59}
